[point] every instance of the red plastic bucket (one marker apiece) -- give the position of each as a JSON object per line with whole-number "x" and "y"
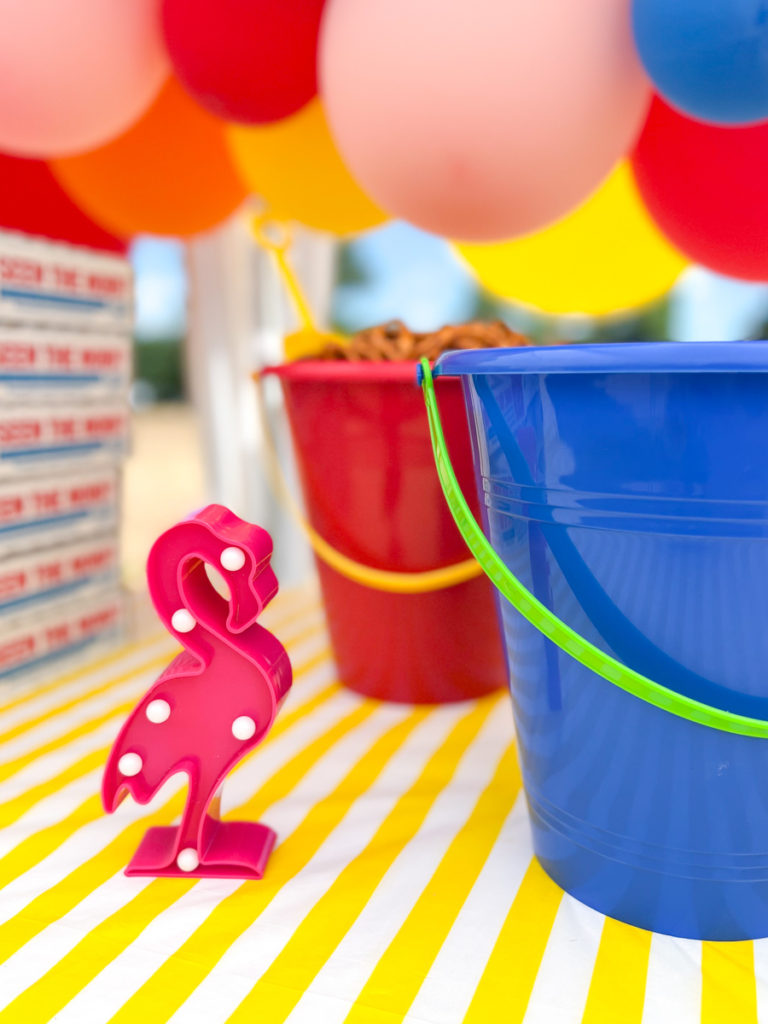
{"x": 364, "y": 458}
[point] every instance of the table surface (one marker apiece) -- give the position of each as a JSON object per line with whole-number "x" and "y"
{"x": 403, "y": 886}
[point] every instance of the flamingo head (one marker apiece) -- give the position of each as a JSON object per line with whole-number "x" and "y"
{"x": 238, "y": 550}
{"x": 242, "y": 553}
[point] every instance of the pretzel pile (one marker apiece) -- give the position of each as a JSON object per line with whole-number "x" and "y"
{"x": 393, "y": 341}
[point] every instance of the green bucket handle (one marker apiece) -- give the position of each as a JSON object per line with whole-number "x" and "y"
{"x": 543, "y": 619}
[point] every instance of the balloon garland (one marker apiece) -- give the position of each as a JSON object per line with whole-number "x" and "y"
{"x": 606, "y": 256}
{"x": 498, "y": 124}
{"x": 706, "y": 188}
{"x": 708, "y": 59}
{"x": 75, "y": 73}
{"x": 295, "y": 167}
{"x": 32, "y": 200}
{"x": 245, "y": 60}
{"x": 170, "y": 174}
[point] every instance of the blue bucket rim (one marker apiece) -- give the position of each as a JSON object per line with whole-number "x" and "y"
{"x": 617, "y": 357}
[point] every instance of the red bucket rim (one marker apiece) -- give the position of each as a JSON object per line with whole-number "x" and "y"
{"x": 341, "y": 370}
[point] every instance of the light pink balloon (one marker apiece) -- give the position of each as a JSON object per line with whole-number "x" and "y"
{"x": 481, "y": 119}
{"x": 76, "y": 73}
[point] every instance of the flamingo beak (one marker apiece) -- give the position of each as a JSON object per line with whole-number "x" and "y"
{"x": 243, "y": 613}
{"x": 248, "y": 599}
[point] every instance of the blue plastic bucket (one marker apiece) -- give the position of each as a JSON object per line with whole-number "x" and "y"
{"x": 626, "y": 486}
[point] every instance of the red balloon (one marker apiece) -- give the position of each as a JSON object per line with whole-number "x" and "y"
{"x": 31, "y": 200}
{"x": 245, "y": 60}
{"x": 707, "y": 189}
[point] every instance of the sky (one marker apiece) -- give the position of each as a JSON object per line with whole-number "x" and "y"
{"x": 415, "y": 277}
{"x": 160, "y": 286}
{"x": 709, "y": 307}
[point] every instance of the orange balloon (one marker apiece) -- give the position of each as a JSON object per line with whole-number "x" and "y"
{"x": 170, "y": 174}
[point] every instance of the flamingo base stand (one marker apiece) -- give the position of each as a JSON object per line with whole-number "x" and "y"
{"x": 237, "y": 849}
{"x": 212, "y": 705}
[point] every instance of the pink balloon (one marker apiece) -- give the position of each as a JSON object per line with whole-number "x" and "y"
{"x": 481, "y": 119}
{"x": 75, "y": 73}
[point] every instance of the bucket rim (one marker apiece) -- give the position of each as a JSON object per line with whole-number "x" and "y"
{"x": 342, "y": 370}
{"x": 619, "y": 357}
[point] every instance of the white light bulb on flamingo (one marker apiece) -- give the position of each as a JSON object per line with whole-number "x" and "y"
{"x": 232, "y": 559}
{"x": 182, "y": 620}
{"x": 243, "y": 727}
{"x": 158, "y": 711}
{"x": 187, "y": 860}
{"x": 130, "y": 765}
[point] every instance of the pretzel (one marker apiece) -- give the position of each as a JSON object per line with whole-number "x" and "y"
{"x": 393, "y": 341}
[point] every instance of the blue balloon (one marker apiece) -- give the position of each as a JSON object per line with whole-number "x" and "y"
{"x": 708, "y": 58}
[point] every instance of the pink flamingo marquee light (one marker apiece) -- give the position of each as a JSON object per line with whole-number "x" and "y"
{"x": 214, "y": 703}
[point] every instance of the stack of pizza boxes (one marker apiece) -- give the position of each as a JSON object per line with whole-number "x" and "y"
{"x": 65, "y": 367}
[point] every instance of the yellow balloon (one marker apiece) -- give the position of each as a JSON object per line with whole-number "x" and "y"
{"x": 605, "y": 257}
{"x": 295, "y": 167}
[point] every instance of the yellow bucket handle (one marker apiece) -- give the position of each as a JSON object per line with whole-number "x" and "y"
{"x": 378, "y": 579}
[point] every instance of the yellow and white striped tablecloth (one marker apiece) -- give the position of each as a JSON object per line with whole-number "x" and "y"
{"x": 403, "y": 887}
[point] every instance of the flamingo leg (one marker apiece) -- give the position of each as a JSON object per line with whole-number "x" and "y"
{"x": 203, "y": 846}
{"x": 202, "y": 807}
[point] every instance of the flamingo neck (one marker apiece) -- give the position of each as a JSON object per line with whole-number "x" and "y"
{"x": 183, "y": 596}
